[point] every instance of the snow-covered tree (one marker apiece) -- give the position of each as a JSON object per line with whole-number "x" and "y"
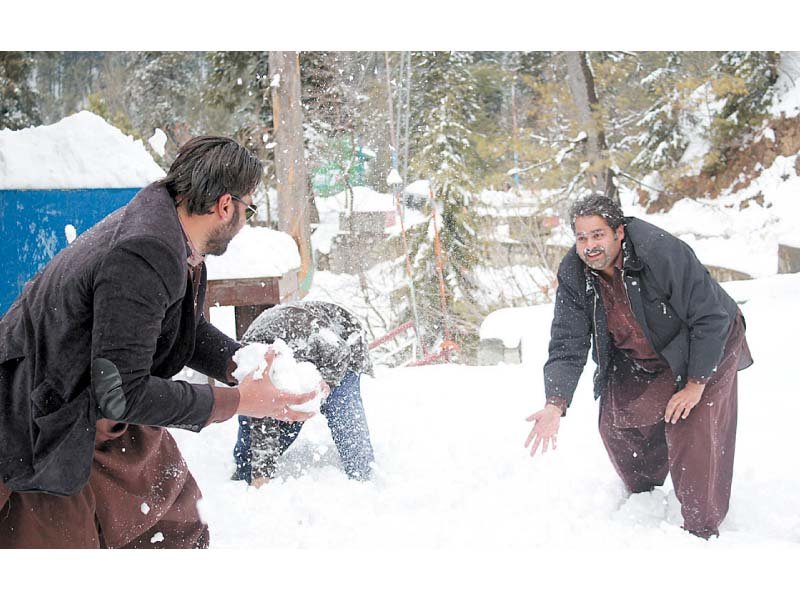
{"x": 18, "y": 107}
{"x": 445, "y": 95}
{"x": 164, "y": 91}
{"x": 743, "y": 82}
{"x": 661, "y": 139}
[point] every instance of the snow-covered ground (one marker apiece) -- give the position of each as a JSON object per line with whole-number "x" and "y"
{"x": 452, "y": 473}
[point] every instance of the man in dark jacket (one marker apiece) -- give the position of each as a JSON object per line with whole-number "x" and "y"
{"x": 332, "y": 339}
{"x": 87, "y": 353}
{"x": 668, "y": 342}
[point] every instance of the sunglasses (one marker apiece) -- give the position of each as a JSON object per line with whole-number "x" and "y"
{"x": 252, "y": 209}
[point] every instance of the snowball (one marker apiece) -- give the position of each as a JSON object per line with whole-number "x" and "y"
{"x": 158, "y": 537}
{"x": 286, "y": 374}
{"x": 145, "y": 508}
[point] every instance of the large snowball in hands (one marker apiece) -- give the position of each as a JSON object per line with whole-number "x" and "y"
{"x": 286, "y": 374}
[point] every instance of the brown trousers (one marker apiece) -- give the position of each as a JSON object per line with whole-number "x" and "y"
{"x": 697, "y": 451}
{"x": 140, "y": 495}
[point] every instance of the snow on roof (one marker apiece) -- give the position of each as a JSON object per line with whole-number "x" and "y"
{"x": 515, "y": 203}
{"x": 512, "y": 324}
{"x": 79, "y": 152}
{"x": 255, "y": 252}
{"x": 420, "y": 187}
{"x": 364, "y": 200}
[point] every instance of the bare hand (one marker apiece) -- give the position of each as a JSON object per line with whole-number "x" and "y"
{"x": 259, "y": 481}
{"x": 260, "y": 398}
{"x": 682, "y": 402}
{"x": 545, "y": 429}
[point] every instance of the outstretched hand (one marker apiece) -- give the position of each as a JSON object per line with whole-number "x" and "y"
{"x": 260, "y": 398}
{"x": 545, "y": 429}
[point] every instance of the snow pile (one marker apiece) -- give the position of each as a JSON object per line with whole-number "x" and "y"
{"x": 255, "y": 252}
{"x": 515, "y": 325}
{"x": 286, "y": 373}
{"x": 420, "y": 187}
{"x": 80, "y": 151}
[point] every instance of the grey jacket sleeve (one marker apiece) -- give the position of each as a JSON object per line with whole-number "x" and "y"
{"x": 570, "y": 339}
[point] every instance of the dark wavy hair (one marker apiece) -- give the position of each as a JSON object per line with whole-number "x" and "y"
{"x": 208, "y": 167}
{"x": 600, "y": 206}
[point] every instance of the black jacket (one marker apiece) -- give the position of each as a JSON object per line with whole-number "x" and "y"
{"x": 684, "y": 313}
{"x": 120, "y": 292}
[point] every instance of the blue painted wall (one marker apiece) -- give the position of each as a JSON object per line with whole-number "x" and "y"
{"x": 32, "y": 228}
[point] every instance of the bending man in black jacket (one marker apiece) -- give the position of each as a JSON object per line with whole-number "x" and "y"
{"x": 668, "y": 342}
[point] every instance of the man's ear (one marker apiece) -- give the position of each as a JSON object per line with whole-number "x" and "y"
{"x": 619, "y": 232}
{"x": 224, "y": 207}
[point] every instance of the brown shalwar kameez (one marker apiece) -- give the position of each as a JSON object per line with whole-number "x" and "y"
{"x": 697, "y": 451}
{"x": 140, "y": 495}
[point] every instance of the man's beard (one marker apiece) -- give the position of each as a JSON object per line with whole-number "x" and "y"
{"x": 219, "y": 239}
{"x": 599, "y": 262}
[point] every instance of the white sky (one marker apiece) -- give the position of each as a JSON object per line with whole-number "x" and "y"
{"x": 415, "y": 24}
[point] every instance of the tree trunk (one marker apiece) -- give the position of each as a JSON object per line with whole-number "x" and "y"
{"x": 290, "y": 164}
{"x": 581, "y": 86}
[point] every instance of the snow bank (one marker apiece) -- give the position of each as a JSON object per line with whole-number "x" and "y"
{"x": 452, "y": 473}
{"x": 80, "y": 151}
{"x": 420, "y": 187}
{"x": 255, "y": 252}
{"x": 512, "y": 325}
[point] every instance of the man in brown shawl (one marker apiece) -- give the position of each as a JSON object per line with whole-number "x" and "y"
{"x": 668, "y": 342}
{"x": 87, "y": 353}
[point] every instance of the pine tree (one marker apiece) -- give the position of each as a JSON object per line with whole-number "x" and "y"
{"x": 743, "y": 83}
{"x": 164, "y": 92}
{"x": 65, "y": 80}
{"x": 661, "y": 140}
{"x": 446, "y": 105}
{"x": 18, "y": 108}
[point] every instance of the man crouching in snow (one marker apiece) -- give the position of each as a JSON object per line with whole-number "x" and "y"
{"x": 332, "y": 339}
{"x": 668, "y": 342}
{"x": 87, "y": 353}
